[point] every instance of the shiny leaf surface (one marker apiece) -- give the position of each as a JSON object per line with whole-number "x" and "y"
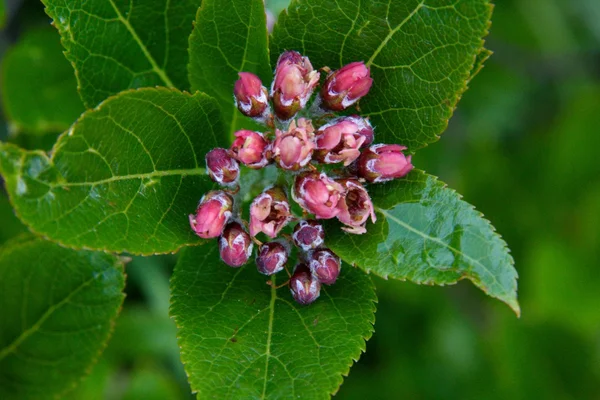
{"x": 58, "y": 308}
{"x": 426, "y": 234}
{"x": 421, "y": 53}
{"x": 118, "y": 45}
{"x": 229, "y": 37}
{"x": 123, "y": 178}
{"x": 239, "y": 338}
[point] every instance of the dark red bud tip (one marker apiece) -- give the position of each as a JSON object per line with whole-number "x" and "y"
{"x": 212, "y": 214}
{"x": 271, "y": 258}
{"x": 235, "y": 245}
{"x": 305, "y": 287}
{"x": 325, "y": 265}
{"x": 308, "y": 235}
{"x": 384, "y": 162}
{"x": 221, "y": 167}
{"x": 346, "y": 86}
{"x": 251, "y": 96}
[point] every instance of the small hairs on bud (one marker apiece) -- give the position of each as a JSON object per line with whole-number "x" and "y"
{"x": 384, "y": 162}
{"x": 251, "y": 97}
{"x": 346, "y": 86}
{"x": 325, "y": 265}
{"x": 221, "y": 167}
{"x": 308, "y": 234}
{"x": 271, "y": 258}
{"x": 213, "y": 212}
{"x": 305, "y": 287}
{"x": 235, "y": 245}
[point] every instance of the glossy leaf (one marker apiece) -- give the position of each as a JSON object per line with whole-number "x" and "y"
{"x": 115, "y": 45}
{"x": 123, "y": 178}
{"x": 426, "y": 234}
{"x": 421, "y": 53}
{"x": 229, "y": 36}
{"x": 239, "y": 338}
{"x": 58, "y": 308}
{"x": 39, "y": 89}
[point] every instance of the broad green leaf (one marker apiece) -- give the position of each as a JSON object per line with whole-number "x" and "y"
{"x": 11, "y": 226}
{"x": 123, "y": 178}
{"x": 421, "y": 53}
{"x": 242, "y": 339}
{"x": 39, "y": 89}
{"x": 58, "y": 308}
{"x": 426, "y": 234}
{"x": 117, "y": 45}
{"x": 229, "y": 36}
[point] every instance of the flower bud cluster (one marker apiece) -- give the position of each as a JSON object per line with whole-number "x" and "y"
{"x": 300, "y": 140}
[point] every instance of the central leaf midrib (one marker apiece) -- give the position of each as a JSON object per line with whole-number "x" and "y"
{"x": 269, "y": 333}
{"x": 173, "y": 172}
{"x": 159, "y": 71}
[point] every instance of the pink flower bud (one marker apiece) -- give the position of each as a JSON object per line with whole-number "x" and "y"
{"x": 325, "y": 265}
{"x": 355, "y": 207}
{"x": 221, "y": 167}
{"x": 308, "y": 235}
{"x": 235, "y": 245}
{"x": 383, "y": 162}
{"x": 251, "y": 149}
{"x": 304, "y": 286}
{"x": 346, "y": 86}
{"x": 271, "y": 258}
{"x": 294, "y": 82}
{"x": 293, "y": 149}
{"x": 318, "y": 194}
{"x": 212, "y": 214}
{"x": 341, "y": 139}
{"x": 269, "y": 213}
{"x": 251, "y": 97}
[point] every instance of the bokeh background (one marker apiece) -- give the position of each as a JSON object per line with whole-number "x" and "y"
{"x": 523, "y": 147}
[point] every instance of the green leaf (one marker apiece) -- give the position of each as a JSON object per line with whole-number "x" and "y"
{"x": 39, "y": 89}
{"x": 421, "y": 53}
{"x": 239, "y": 338}
{"x": 11, "y": 226}
{"x": 58, "y": 308}
{"x": 229, "y": 36}
{"x": 116, "y": 45}
{"x": 123, "y": 178}
{"x": 426, "y": 234}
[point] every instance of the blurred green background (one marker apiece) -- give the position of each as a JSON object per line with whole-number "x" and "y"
{"x": 522, "y": 147}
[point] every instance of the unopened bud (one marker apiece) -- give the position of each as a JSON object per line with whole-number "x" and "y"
{"x": 221, "y": 167}
{"x": 271, "y": 258}
{"x": 308, "y": 235}
{"x": 212, "y": 214}
{"x": 304, "y": 286}
{"x": 235, "y": 245}
{"x": 355, "y": 207}
{"x": 325, "y": 265}
{"x": 251, "y": 149}
{"x": 251, "y": 97}
{"x": 295, "y": 80}
{"x": 341, "y": 140}
{"x": 318, "y": 194}
{"x": 384, "y": 162}
{"x": 346, "y": 86}
{"x": 293, "y": 149}
{"x": 269, "y": 212}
